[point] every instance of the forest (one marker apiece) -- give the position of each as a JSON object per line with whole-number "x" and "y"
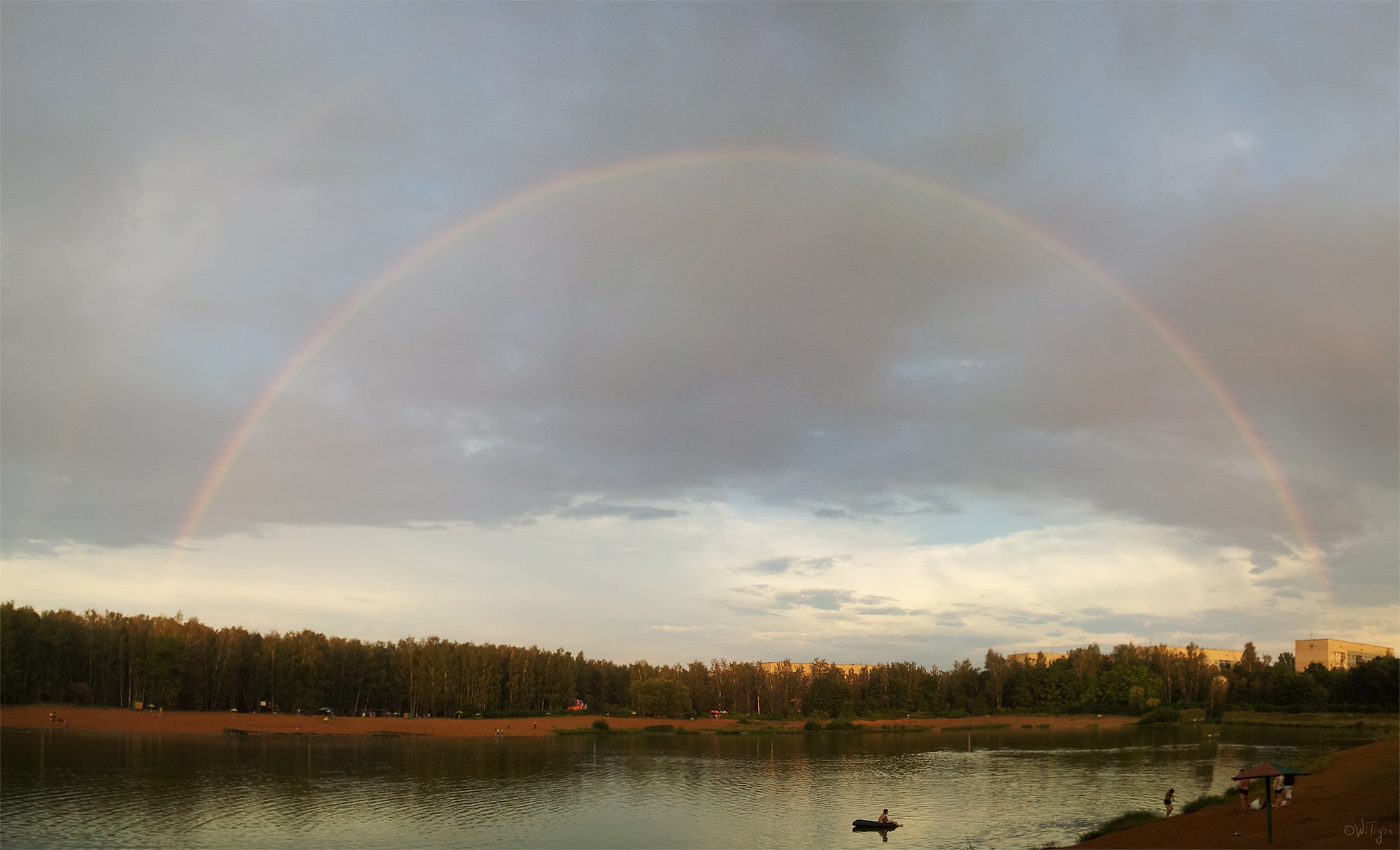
{"x": 114, "y": 660}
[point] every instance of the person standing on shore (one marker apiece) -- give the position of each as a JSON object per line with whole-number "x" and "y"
{"x": 1167, "y": 800}
{"x": 1287, "y": 790}
{"x": 1243, "y": 787}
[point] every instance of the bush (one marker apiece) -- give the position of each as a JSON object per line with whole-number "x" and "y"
{"x": 1205, "y": 800}
{"x": 1118, "y": 824}
{"x": 659, "y": 729}
{"x": 601, "y": 725}
{"x": 1160, "y": 714}
{"x": 812, "y": 726}
{"x": 841, "y": 725}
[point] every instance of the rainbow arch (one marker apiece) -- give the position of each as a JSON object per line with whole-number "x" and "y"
{"x": 575, "y": 182}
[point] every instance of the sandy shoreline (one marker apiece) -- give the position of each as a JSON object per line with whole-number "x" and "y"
{"x": 214, "y": 723}
{"x": 1352, "y": 802}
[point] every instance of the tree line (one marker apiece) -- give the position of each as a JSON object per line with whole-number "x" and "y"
{"x": 110, "y": 659}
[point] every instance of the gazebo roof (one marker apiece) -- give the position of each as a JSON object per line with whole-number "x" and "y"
{"x": 1267, "y": 769}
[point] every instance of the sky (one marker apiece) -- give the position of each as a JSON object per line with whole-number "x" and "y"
{"x": 890, "y": 332}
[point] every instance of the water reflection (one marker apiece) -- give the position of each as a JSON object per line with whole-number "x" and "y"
{"x": 1020, "y": 788}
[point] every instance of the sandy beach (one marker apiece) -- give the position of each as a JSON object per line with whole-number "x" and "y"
{"x": 1352, "y": 802}
{"x": 214, "y": 723}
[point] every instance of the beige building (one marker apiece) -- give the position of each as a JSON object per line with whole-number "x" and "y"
{"x": 1222, "y": 658}
{"x": 1031, "y": 658}
{"x": 1334, "y": 654}
{"x": 805, "y": 668}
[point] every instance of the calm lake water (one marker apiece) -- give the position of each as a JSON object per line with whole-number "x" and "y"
{"x": 992, "y": 788}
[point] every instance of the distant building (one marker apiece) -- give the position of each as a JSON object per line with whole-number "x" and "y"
{"x": 804, "y": 668}
{"x": 1222, "y": 658}
{"x": 1335, "y": 654}
{"x": 1030, "y": 659}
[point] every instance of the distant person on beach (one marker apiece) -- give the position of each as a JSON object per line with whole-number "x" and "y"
{"x": 1287, "y": 790}
{"x": 1167, "y": 801}
{"x": 1243, "y": 787}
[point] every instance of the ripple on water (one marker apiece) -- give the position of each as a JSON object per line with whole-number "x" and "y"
{"x": 623, "y": 791}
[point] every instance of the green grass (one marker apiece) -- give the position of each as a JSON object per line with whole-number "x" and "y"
{"x": 1334, "y": 719}
{"x": 1207, "y": 800}
{"x": 1118, "y": 824}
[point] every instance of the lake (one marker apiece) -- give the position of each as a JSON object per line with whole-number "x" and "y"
{"x": 1013, "y": 788}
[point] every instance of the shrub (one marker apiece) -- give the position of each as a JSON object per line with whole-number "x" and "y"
{"x": 1161, "y": 714}
{"x": 812, "y": 726}
{"x": 1205, "y": 800}
{"x": 841, "y": 725}
{"x": 601, "y": 725}
{"x": 1118, "y": 824}
{"x": 659, "y": 729}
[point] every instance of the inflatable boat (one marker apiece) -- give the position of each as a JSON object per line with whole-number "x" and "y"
{"x": 872, "y": 824}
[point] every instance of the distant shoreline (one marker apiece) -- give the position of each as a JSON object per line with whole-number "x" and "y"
{"x": 216, "y": 722}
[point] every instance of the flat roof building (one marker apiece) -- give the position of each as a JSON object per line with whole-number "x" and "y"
{"x": 1222, "y": 658}
{"x": 1032, "y": 658}
{"x": 1335, "y": 654}
{"x": 805, "y": 667}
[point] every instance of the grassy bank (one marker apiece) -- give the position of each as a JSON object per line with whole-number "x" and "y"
{"x": 1118, "y": 824}
{"x": 1326, "y": 719}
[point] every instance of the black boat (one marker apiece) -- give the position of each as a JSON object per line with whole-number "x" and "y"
{"x": 872, "y": 824}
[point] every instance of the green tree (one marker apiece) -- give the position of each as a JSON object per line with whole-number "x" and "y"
{"x": 659, "y": 697}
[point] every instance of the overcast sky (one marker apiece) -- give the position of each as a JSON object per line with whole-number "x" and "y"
{"x": 860, "y": 379}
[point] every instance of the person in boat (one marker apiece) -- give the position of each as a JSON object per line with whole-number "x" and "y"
{"x": 885, "y": 818}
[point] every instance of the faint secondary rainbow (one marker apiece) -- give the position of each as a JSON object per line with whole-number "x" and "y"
{"x": 578, "y": 181}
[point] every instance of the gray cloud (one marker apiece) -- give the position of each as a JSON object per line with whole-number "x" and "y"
{"x": 794, "y": 565}
{"x": 179, "y": 220}
{"x": 636, "y": 513}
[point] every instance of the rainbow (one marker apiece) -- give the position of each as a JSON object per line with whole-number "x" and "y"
{"x": 581, "y": 181}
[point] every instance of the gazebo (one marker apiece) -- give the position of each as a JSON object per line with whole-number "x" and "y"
{"x": 1267, "y": 770}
